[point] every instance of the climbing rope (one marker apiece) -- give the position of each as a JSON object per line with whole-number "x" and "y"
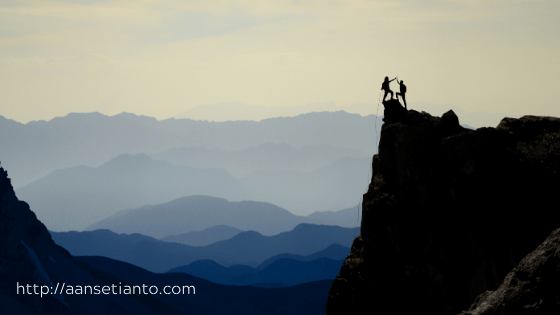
{"x": 370, "y": 164}
{"x": 376, "y": 116}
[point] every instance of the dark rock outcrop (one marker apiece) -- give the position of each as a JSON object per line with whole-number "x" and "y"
{"x": 530, "y": 288}
{"x": 449, "y": 212}
{"x": 394, "y": 111}
{"x": 29, "y": 256}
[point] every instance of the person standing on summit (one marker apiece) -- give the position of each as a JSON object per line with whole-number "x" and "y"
{"x": 403, "y": 91}
{"x": 385, "y": 87}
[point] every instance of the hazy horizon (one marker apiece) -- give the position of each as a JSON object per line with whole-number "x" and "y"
{"x": 222, "y": 112}
{"x": 162, "y": 59}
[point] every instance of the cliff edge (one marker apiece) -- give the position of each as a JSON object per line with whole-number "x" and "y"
{"x": 449, "y": 212}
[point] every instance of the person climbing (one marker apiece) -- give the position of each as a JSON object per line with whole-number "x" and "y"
{"x": 403, "y": 91}
{"x": 385, "y": 87}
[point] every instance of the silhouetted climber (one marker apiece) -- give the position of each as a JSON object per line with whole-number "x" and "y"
{"x": 385, "y": 86}
{"x": 403, "y": 92}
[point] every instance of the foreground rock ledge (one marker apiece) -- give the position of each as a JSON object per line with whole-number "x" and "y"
{"x": 449, "y": 212}
{"x": 533, "y": 287}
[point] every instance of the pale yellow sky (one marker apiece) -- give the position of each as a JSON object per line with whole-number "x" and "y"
{"x": 161, "y": 58}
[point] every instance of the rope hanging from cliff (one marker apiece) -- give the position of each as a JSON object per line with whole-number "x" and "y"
{"x": 360, "y": 206}
{"x": 376, "y": 116}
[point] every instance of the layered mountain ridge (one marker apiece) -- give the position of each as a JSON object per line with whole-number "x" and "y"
{"x": 31, "y": 263}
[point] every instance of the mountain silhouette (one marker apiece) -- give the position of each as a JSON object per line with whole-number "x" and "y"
{"x": 74, "y": 198}
{"x": 330, "y": 188}
{"x": 211, "y": 298}
{"x": 333, "y": 252}
{"x": 35, "y": 149}
{"x": 199, "y": 212}
{"x": 190, "y": 214}
{"x": 264, "y": 157}
{"x": 279, "y": 270}
{"x": 204, "y": 237}
{"x": 28, "y": 256}
{"x": 246, "y": 248}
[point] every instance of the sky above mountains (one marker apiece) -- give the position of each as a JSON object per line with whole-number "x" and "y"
{"x": 163, "y": 58}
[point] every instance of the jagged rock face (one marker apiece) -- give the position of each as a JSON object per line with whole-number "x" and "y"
{"x": 19, "y": 227}
{"x": 449, "y": 212}
{"x": 530, "y": 288}
{"x": 28, "y": 255}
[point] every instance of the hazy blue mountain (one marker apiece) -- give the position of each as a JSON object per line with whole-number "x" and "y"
{"x": 334, "y": 252}
{"x": 283, "y": 271}
{"x": 74, "y": 198}
{"x": 304, "y": 239}
{"x": 193, "y": 213}
{"x": 291, "y": 272}
{"x": 38, "y": 148}
{"x": 31, "y": 258}
{"x": 264, "y": 157}
{"x": 350, "y": 217}
{"x": 280, "y": 270}
{"x": 212, "y": 271}
{"x": 211, "y": 298}
{"x": 246, "y": 248}
{"x": 204, "y": 237}
{"x": 330, "y": 188}
{"x": 240, "y": 111}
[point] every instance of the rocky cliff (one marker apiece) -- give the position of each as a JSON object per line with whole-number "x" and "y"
{"x": 530, "y": 288}
{"x": 449, "y": 212}
{"x": 28, "y": 256}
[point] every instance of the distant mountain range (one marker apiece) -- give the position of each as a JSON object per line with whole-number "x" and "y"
{"x": 200, "y": 212}
{"x": 193, "y": 213}
{"x": 277, "y": 271}
{"x": 74, "y": 198}
{"x": 240, "y": 111}
{"x": 33, "y": 150}
{"x": 210, "y": 298}
{"x": 30, "y": 261}
{"x": 204, "y": 237}
{"x": 330, "y": 188}
{"x": 264, "y": 157}
{"x": 246, "y": 248}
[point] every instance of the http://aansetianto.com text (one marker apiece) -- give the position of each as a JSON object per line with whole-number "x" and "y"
{"x": 64, "y": 289}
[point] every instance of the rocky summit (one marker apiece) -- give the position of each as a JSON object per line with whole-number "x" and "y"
{"x": 449, "y": 213}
